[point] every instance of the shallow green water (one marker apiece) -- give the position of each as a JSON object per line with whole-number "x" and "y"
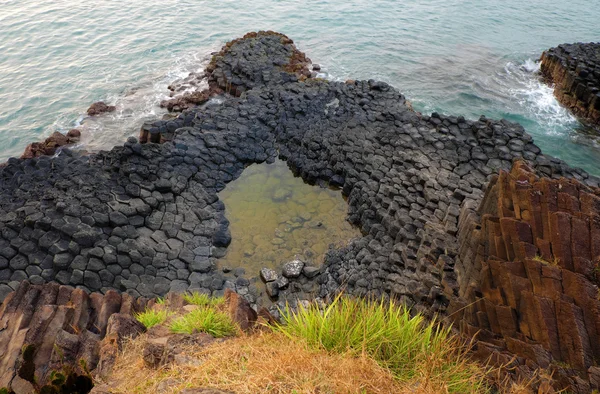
{"x": 462, "y": 57}
{"x": 275, "y": 217}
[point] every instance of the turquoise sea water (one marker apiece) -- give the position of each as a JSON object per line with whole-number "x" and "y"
{"x": 462, "y": 57}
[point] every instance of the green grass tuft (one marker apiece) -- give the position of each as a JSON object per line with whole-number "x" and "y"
{"x": 152, "y": 317}
{"x": 202, "y": 299}
{"x": 408, "y": 346}
{"x": 210, "y": 321}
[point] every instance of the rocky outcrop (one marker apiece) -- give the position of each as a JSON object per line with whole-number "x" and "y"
{"x": 146, "y": 219}
{"x": 51, "y": 144}
{"x": 278, "y": 55}
{"x": 187, "y": 100}
{"x": 52, "y": 335}
{"x": 526, "y": 278}
{"x": 574, "y": 69}
{"x": 100, "y": 107}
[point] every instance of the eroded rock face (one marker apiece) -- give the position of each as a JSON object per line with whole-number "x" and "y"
{"x": 526, "y": 278}
{"x": 52, "y": 328}
{"x": 575, "y": 71}
{"x": 49, "y": 329}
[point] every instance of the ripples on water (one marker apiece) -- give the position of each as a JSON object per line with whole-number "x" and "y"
{"x": 454, "y": 56}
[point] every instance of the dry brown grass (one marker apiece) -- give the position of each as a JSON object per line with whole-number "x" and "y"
{"x": 263, "y": 363}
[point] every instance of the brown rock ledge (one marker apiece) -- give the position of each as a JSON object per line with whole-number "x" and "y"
{"x": 574, "y": 69}
{"x": 528, "y": 277}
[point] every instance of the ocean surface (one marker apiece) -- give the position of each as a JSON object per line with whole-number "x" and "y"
{"x": 461, "y": 57}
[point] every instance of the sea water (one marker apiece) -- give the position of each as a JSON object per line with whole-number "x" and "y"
{"x": 460, "y": 57}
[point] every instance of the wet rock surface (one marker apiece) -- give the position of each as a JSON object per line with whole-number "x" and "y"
{"x": 575, "y": 71}
{"x": 51, "y": 144}
{"x": 100, "y": 107}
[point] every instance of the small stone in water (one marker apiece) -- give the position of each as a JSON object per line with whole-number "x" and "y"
{"x": 310, "y": 272}
{"x": 315, "y": 224}
{"x": 293, "y": 269}
{"x": 272, "y": 289}
{"x": 282, "y": 282}
{"x": 305, "y": 216}
{"x": 239, "y": 271}
{"x": 268, "y": 275}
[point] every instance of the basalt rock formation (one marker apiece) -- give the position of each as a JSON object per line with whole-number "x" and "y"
{"x": 55, "y": 337}
{"x": 575, "y": 71}
{"x": 145, "y": 218}
{"x": 47, "y": 331}
{"x": 230, "y": 77}
{"x": 527, "y": 277}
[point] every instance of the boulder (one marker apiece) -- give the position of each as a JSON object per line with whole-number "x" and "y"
{"x": 100, "y": 107}
{"x": 268, "y": 275}
{"x": 239, "y": 310}
{"x": 51, "y": 144}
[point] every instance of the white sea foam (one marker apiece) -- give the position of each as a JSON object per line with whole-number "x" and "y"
{"x": 135, "y": 105}
{"x": 537, "y": 98}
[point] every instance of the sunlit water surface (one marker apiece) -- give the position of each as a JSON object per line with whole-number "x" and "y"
{"x": 462, "y": 57}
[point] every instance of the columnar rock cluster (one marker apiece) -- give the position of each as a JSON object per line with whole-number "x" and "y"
{"x": 47, "y": 330}
{"x": 528, "y": 273}
{"x": 575, "y": 71}
{"x": 57, "y": 339}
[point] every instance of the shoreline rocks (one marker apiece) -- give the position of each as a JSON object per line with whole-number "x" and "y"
{"x": 100, "y": 107}
{"x": 574, "y": 69}
{"x": 51, "y": 144}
